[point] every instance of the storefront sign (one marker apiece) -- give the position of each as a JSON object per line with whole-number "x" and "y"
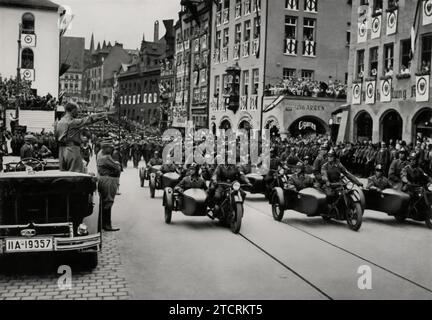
{"x": 306, "y": 124}
{"x": 308, "y": 107}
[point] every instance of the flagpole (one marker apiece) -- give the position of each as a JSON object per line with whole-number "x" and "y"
{"x": 18, "y": 79}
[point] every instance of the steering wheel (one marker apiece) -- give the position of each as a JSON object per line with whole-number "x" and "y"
{"x": 35, "y": 164}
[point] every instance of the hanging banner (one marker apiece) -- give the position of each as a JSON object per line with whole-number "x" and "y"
{"x": 427, "y": 12}
{"x": 362, "y": 31}
{"x": 376, "y": 27}
{"x": 392, "y": 19}
{"x": 370, "y": 92}
{"x": 356, "y": 93}
{"x": 422, "y": 88}
{"x": 386, "y": 86}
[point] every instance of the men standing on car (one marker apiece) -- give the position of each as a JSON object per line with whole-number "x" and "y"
{"x": 68, "y": 134}
{"x": 108, "y": 173}
{"x": 27, "y": 150}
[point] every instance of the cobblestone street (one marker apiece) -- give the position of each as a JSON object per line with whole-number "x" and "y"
{"x": 25, "y": 281}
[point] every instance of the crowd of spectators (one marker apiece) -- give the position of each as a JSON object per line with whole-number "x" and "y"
{"x": 309, "y": 88}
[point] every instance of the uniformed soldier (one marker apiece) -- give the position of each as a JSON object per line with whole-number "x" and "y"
{"x": 192, "y": 181}
{"x": 68, "y": 134}
{"x": 108, "y": 173}
{"x": 378, "y": 181}
{"x": 27, "y": 150}
{"x": 299, "y": 181}
{"x": 396, "y": 169}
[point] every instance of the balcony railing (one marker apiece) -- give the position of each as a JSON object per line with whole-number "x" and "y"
{"x": 291, "y": 47}
{"x": 309, "y": 48}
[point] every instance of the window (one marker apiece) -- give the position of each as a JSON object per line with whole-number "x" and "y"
{"x": 247, "y": 31}
{"x": 28, "y": 23}
{"x": 245, "y": 88}
{"x": 255, "y": 75}
{"x": 238, "y": 7}
{"x": 307, "y": 74}
{"x": 27, "y": 59}
{"x": 225, "y": 37}
{"x": 218, "y": 40}
{"x": 290, "y": 27}
{"x": 311, "y": 5}
{"x": 426, "y": 53}
{"x": 257, "y": 23}
{"x": 292, "y": 4}
{"x": 388, "y": 59}
{"x": 237, "y": 37}
{"x": 373, "y": 61}
{"x": 309, "y": 29}
{"x": 289, "y": 73}
{"x": 377, "y": 6}
{"x": 405, "y": 54}
{"x": 360, "y": 64}
{"x": 247, "y": 7}
{"x": 217, "y": 85}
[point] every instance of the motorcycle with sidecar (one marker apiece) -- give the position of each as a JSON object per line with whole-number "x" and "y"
{"x": 194, "y": 203}
{"x": 345, "y": 205}
{"x": 162, "y": 181}
{"x": 401, "y": 205}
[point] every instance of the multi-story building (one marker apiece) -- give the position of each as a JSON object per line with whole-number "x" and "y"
{"x": 72, "y": 55}
{"x": 192, "y": 66}
{"x": 273, "y": 63}
{"x": 36, "y": 24}
{"x": 389, "y": 80}
{"x": 145, "y": 87}
{"x": 99, "y": 75}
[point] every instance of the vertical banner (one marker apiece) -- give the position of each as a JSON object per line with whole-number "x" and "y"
{"x": 427, "y": 12}
{"x": 376, "y": 27}
{"x": 385, "y": 90}
{"x": 392, "y": 19}
{"x": 362, "y": 31}
{"x": 356, "y": 93}
{"x": 370, "y": 91}
{"x": 422, "y": 88}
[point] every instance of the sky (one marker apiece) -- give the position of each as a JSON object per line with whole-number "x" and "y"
{"x": 123, "y": 21}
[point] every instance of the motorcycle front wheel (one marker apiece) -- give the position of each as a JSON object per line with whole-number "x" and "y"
{"x": 429, "y": 219}
{"x": 355, "y": 217}
{"x": 237, "y": 218}
{"x": 152, "y": 187}
{"x": 277, "y": 211}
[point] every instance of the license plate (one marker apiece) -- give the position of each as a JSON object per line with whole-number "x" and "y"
{"x": 29, "y": 245}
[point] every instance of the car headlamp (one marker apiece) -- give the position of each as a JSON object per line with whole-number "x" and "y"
{"x": 281, "y": 172}
{"x": 430, "y": 187}
{"x": 350, "y": 185}
{"x": 236, "y": 186}
{"x": 82, "y": 230}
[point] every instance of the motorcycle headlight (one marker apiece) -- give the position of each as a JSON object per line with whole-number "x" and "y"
{"x": 430, "y": 187}
{"x": 236, "y": 186}
{"x": 350, "y": 185}
{"x": 281, "y": 172}
{"x": 82, "y": 230}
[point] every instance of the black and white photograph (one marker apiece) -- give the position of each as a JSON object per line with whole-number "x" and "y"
{"x": 215, "y": 154}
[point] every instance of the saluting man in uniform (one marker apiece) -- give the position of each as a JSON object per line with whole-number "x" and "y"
{"x": 68, "y": 134}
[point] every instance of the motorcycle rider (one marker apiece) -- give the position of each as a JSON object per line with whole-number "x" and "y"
{"x": 320, "y": 160}
{"x": 396, "y": 168}
{"x": 225, "y": 173}
{"x": 193, "y": 180}
{"x": 169, "y": 165}
{"x": 299, "y": 181}
{"x": 333, "y": 172}
{"x": 378, "y": 181}
{"x": 413, "y": 175}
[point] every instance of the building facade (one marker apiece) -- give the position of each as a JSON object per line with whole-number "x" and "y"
{"x": 146, "y": 86}
{"x": 72, "y": 54}
{"x": 192, "y": 61}
{"x": 279, "y": 49}
{"x": 389, "y": 81}
{"x": 38, "y": 54}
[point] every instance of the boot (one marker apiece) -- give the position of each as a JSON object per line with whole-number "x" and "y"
{"x": 107, "y": 226}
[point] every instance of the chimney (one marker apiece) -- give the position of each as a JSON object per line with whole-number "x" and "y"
{"x": 156, "y": 31}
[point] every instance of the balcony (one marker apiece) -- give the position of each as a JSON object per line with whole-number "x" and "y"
{"x": 237, "y": 51}
{"x": 246, "y": 49}
{"x": 309, "y": 48}
{"x": 290, "y": 47}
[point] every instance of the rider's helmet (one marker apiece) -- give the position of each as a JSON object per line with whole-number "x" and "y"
{"x": 379, "y": 168}
{"x": 299, "y": 167}
{"x": 413, "y": 157}
{"x": 332, "y": 153}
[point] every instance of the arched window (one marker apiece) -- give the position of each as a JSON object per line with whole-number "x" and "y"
{"x": 28, "y": 23}
{"x": 27, "y": 59}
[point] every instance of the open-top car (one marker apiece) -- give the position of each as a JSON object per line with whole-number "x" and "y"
{"x": 35, "y": 164}
{"x": 50, "y": 211}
